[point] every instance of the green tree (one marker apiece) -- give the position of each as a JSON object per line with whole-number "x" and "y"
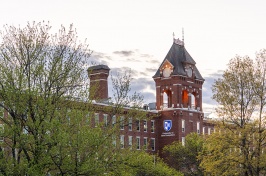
{"x": 184, "y": 157}
{"x": 40, "y": 73}
{"x": 48, "y": 114}
{"x": 236, "y": 148}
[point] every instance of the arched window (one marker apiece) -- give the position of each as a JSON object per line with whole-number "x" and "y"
{"x": 185, "y": 98}
{"x": 193, "y": 101}
{"x": 167, "y": 99}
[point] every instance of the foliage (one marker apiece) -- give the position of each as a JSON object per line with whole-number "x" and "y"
{"x": 184, "y": 158}
{"x": 236, "y": 148}
{"x": 141, "y": 163}
{"x": 48, "y": 116}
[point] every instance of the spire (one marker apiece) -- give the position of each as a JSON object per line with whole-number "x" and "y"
{"x": 173, "y": 36}
{"x": 178, "y": 41}
{"x": 183, "y": 36}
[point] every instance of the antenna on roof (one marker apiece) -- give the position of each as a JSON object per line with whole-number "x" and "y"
{"x": 173, "y": 35}
{"x": 183, "y": 36}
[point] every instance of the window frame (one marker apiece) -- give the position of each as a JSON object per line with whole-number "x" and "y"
{"x": 137, "y": 142}
{"x": 152, "y": 126}
{"x": 145, "y": 126}
{"x": 152, "y": 142}
{"x": 122, "y": 141}
{"x": 183, "y": 124}
{"x": 130, "y": 124}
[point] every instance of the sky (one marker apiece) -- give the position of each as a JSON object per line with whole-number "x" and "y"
{"x": 137, "y": 34}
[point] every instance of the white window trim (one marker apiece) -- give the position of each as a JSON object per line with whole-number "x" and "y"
{"x": 198, "y": 127}
{"x": 122, "y": 141}
{"x": 152, "y": 126}
{"x": 130, "y": 124}
{"x": 122, "y": 126}
{"x": 145, "y": 127}
{"x": 183, "y": 124}
{"x": 105, "y": 119}
{"x": 183, "y": 141}
{"x": 113, "y": 120}
{"x": 154, "y": 144}
{"x": 96, "y": 119}
{"x": 138, "y": 125}
{"x": 145, "y": 145}
{"x": 130, "y": 141}
{"x": 138, "y": 142}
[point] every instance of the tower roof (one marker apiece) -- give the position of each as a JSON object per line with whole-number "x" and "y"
{"x": 179, "y": 57}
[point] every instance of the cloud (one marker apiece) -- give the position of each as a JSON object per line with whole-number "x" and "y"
{"x": 124, "y": 53}
{"x": 153, "y": 70}
{"x": 154, "y": 61}
{"x": 207, "y": 88}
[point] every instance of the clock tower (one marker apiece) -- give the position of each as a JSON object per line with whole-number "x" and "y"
{"x": 178, "y": 96}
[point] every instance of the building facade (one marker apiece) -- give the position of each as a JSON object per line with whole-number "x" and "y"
{"x": 178, "y": 107}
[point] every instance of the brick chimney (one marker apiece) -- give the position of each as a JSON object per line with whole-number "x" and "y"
{"x": 98, "y": 82}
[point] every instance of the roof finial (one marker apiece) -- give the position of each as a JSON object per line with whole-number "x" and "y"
{"x": 183, "y": 36}
{"x": 173, "y": 36}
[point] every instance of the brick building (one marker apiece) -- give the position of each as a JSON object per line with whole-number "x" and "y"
{"x": 178, "y": 107}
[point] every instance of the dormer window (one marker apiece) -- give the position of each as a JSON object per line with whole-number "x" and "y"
{"x": 189, "y": 71}
{"x": 166, "y": 69}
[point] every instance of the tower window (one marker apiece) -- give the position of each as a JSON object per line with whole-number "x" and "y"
{"x": 193, "y": 101}
{"x": 167, "y": 99}
{"x": 185, "y": 98}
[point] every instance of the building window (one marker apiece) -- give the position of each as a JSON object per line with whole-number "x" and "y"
{"x": 130, "y": 123}
{"x": 198, "y": 127}
{"x": 153, "y": 144}
{"x": 122, "y": 123}
{"x": 145, "y": 125}
{"x": 96, "y": 119}
{"x": 203, "y": 130}
{"x": 105, "y": 120}
{"x": 138, "y": 143}
{"x": 152, "y": 126}
{"x": 137, "y": 125}
{"x": 145, "y": 143}
{"x": 114, "y": 120}
{"x": 183, "y": 141}
{"x": 183, "y": 125}
{"x": 130, "y": 142}
{"x": 209, "y": 131}
{"x": 122, "y": 141}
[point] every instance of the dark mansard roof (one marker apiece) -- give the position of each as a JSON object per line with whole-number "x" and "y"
{"x": 179, "y": 57}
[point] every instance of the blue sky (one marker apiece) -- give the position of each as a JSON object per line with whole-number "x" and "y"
{"x": 137, "y": 34}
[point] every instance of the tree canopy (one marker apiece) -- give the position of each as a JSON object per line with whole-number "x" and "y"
{"x": 236, "y": 147}
{"x": 47, "y": 114}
